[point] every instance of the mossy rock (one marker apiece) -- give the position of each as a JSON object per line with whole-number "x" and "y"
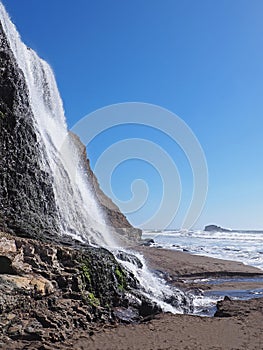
{"x": 121, "y": 278}
{"x": 105, "y": 282}
{"x": 93, "y": 300}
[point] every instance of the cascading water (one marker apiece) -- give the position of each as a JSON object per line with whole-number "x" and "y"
{"x": 168, "y": 298}
{"x": 79, "y": 214}
{"x": 78, "y": 211}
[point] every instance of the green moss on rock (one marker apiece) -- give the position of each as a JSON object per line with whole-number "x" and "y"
{"x": 103, "y": 280}
{"x": 121, "y": 278}
{"x": 86, "y": 272}
{"x": 93, "y": 300}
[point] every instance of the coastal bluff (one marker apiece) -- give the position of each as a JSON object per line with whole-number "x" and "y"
{"x": 116, "y": 220}
{"x": 27, "y": 198}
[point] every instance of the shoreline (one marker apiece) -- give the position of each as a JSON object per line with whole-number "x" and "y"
{"x": 188, "y": 271}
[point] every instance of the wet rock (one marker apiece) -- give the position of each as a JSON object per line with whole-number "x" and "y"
{"x": 164, "y": 275}
{"x": 149, "y": 309}
{"x": 26, "y": 194}
{"x": 147, "y": 242}
{"x": 6, "y": 266}
{"x": 130, "y": 258}
{"x": 126, "y": 315}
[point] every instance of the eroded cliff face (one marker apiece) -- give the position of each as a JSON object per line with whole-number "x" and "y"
{"x": 27, "y": 205}
{"x": 27, "y": 199}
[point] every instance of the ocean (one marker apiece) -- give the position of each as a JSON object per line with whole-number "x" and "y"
{"x": 243, "y": 246}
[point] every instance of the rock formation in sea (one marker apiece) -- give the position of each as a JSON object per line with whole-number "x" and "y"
{"x": 215, "y": 228}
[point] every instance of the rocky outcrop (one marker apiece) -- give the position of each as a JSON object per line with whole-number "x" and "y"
{"x": 26, "y": 196}
{"x": 114, "y": 217}
{"x": 215, "y": 228}
{"x": 49, "y": 291}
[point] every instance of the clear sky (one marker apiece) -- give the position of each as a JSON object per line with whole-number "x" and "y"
{"x": 201, "y": 59}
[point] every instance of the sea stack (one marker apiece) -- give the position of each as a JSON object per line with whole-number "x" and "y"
{"x": 215, "y": 228}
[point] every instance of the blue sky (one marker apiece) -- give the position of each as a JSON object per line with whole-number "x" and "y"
{"x": 201, "y": 59}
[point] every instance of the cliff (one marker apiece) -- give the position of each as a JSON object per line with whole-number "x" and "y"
{"x": 27, "y": 199}
{"x": 27, "y": 205}
{"x": 50, "y": 284}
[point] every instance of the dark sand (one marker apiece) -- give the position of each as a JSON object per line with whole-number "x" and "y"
{"x": 182, "y": 332}
{"x": 243, "y": 329}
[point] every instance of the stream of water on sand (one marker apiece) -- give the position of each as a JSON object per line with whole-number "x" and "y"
{"x": 242, "y": 246}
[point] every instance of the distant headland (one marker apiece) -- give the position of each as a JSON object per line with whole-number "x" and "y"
{"x": 215, "y": 228}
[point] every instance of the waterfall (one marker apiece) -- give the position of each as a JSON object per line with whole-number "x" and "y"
{"x": 79, "y": 214}
{"x": 78, "y": 211}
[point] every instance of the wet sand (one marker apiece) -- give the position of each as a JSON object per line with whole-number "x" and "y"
{"x": 187, "y": 271}
{"x": 182, "y": 332}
